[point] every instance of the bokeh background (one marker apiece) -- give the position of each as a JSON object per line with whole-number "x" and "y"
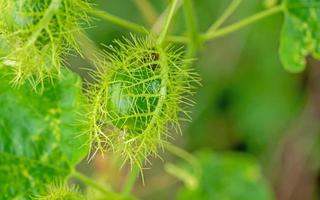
{"x": 255, "y": 127}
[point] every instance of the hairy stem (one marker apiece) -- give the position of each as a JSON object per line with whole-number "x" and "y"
{"x": 43, "y": 23}
{"x": 118, "y": 21}
{"x": 132, "y": 177}
{"x": 226, "y": 14}
{"x": 169, "y": 17}
{"x": 210, "y": 35}
{"x": 95, "y": 185}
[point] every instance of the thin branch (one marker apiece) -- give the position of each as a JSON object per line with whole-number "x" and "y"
{"x": 210, "y": 35}
{"x": 132, "y": 26}
{"x": 156, "y": 28}
{"x": 167, "y": 23}
{"x": 118, "y": 21}
{"x": 226, "y": 14}
{"x": 192, "y": 26}
{"x": 186, "y": 156}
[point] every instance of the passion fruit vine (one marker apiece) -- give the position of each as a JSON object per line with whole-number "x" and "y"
{"x": 138, "y": 97}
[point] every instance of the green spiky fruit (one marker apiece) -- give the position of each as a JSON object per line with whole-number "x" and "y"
{"x": 38, "y": 33}
{"x": 20, "y": 15}
{"x": 138, "y": 98}
{"x": 60, "y": 191}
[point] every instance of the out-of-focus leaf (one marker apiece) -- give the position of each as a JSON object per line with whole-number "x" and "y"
{"x": 247, "y": 99}
{"x": 229, "y": 176}
{"x": 300, "y": 33}
{"x": 267, "y": 98}
{"x": 40, "y": 134}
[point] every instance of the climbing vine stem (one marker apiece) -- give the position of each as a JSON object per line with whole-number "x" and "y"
{"x": 118, "y": 21}
{"x": 210, "y": 35}
{"x": 225, "y": 15}
{"x": 168, "y": 20}
{"x": 186, "y": 156}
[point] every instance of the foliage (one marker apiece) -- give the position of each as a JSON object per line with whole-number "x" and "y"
{"x": 227, "y": 176}
{"x": 40, "y": 134}
{"x": 140, "y": 89}
{"x": 300, "y": 33}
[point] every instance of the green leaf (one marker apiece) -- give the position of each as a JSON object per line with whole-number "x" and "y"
{"x": 41, "y": 138}
{"x": 300, "y": 33}
{"x": 230, "y": 176}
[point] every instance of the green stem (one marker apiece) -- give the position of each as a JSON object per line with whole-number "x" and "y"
{"x": 189, "y": 179}
{"x": 181, "y": 153}
{"x": 236, "y": 26}
{"x": 226, "y": 14}
{"x": 118, "y": 21}
{"x": 168, "y": 20}
{"x": 191, "y": 22}
{"x": 93, "y": 184}
{"x": 130, "y": 25}
{"x": 132, "y": 177}
{"x": 52, "y": 9}
{"x": 158, "y": 24}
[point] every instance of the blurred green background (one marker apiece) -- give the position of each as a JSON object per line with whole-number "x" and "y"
{"x": 255, "y": 126}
